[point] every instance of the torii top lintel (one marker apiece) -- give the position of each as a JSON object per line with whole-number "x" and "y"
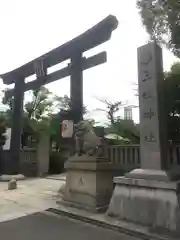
{"x": 93, "y": 37}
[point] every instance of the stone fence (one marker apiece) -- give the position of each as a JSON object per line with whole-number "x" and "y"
{"x": 28, "y": 162}
{"x": 127, "y": 157}
{"x": 123, "y": 157}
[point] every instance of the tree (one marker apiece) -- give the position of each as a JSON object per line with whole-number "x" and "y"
{"x": 161, "y": 19}
{"x": 36, "y": 114}
{"x": 3, "y": 127}
{"x": 38, "y": 110}
{"x": 40, "y": 105}
{"x": 172, "y": 102}
{"x": 7, "y": 100}
{"x": 64, "y": 103}
{"x": 128, "y": 129}
{"x": 111, "y": 108}
{"x": 61, "y": 104}
{"x": 124, "y": 128}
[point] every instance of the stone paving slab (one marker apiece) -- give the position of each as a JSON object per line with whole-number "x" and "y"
{"x": 31, "y": 196}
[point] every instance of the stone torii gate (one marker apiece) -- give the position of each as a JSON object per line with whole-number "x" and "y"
{"x": 72, "y": 50}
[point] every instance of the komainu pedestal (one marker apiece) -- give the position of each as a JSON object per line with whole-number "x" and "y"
{"x": 89, "y": 183}
{"x": 89, "y": 180}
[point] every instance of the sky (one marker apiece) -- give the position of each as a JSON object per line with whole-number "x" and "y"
{"x": 30, "y": 28}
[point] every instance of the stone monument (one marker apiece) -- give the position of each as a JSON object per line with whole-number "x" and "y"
{"x": 150, "y": 195}
{"x": 153, "y": 128}
{"x": 89, "y": 181}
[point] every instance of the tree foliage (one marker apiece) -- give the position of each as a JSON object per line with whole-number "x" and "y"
{"x": 40, "y": 105}
{"x": 127, "y": 129}
{"x": 172, "y": 102}
{"x": 64, "y": 103}
{"x": 37, "y": 115}
{"x": 161, "y": 19}
{"x": 38, "y": 112}
{"x": 122, "y": 127}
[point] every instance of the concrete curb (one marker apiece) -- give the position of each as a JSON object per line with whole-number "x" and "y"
{"x": 135, "y": 233}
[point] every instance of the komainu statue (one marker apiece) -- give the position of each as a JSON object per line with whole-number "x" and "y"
{"x": 87, "y": 142}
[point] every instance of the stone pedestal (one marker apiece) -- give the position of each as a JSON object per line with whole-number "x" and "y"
{"x": 153, "y": 203}
{"x": 150, "y": 196}
{"x": 158, "y": 175}
{"x": 89, "y": 183}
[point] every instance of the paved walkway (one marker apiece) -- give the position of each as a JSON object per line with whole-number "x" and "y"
{"x": 22, "y": 212}
{"x": 23, "y": 215}
{"x": 31, "y": 196}
{"x": 43, "y": 226}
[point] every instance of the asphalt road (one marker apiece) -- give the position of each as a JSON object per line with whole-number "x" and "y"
{"x": 44, "y": 226}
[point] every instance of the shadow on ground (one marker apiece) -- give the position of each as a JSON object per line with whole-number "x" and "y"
{"x": 45, "y": 226}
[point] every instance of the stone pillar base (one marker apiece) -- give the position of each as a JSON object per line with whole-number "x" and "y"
{"x": 89, "y": 183}
{"x": 153, "y": 203}
{"x": 151, "y": 174}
